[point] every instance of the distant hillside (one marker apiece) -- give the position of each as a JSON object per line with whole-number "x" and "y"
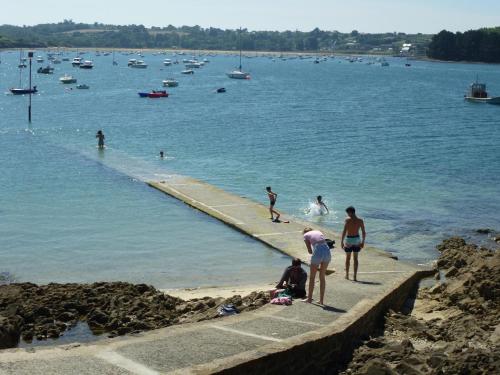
{"x": 71, "y": 34}
{"x": 481, "y": 45}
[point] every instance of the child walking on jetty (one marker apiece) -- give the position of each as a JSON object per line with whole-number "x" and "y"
{"x": 272, "y": 201}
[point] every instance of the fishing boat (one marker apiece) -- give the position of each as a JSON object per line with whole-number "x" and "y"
{"x": 188, "y": 71}
{"x": 23, "y": 91}
{"x": 76, "y": 61}
{"x": 87, "y": 64}
{"x": 47, "y": 70}
{"x": 238, "y": 73}
{"x": 477, "y": 93}
{"x": 82, "y": 86}
{"x": 170, "y": 82}
{"x": 66, "y": 79}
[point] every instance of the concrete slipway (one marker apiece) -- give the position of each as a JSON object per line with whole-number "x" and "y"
{"x": 302, "y": 338}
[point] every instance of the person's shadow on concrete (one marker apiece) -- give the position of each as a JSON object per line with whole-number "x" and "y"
{"x": 329, "y": 308}
{"x": 367, "y": 282}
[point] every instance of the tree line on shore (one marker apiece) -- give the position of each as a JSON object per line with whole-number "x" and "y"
{"x": 481, "y": 45}
{"x": 97, "y": 35}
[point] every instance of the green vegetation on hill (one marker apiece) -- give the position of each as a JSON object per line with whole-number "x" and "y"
{"x": 474, "y": 45}
{"x": 71, "y": 34}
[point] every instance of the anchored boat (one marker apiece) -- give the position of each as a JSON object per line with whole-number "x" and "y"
{"x": 66, "y": 79}
{"x": 477, "y": 93}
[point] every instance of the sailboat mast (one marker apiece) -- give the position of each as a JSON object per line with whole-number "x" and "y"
{"x": 239, "y": 42}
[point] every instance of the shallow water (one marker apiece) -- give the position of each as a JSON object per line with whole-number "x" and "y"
{"x": 398, "y": 143}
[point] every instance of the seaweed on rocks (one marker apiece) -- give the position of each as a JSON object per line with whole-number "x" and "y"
{"x": 31, "y": 311}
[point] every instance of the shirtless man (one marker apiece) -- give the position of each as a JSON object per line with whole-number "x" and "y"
{"x": 351, "y": 242}
{"x": 272, "y": 201}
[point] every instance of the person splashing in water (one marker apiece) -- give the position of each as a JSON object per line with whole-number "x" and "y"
{"x": 321, "y": 205}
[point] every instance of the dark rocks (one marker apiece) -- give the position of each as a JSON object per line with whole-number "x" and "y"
{"x": 484, "y": 231}
{"x": 454, "y": 327}
{"x": 10, "y": 332}
{"x": 115, "y": 308}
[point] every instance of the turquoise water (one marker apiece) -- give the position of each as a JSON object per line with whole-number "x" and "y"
{"x": 398, "y": 143}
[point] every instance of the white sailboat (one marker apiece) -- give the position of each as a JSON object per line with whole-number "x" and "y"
{"x": 238, "y": 73}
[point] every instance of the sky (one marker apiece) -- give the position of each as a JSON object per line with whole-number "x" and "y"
{"x": 410, "y": 16}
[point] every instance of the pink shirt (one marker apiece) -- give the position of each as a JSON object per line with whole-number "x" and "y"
{"x": 314, "y": 236}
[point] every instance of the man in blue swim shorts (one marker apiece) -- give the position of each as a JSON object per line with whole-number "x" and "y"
{"x": 351, "y": 242}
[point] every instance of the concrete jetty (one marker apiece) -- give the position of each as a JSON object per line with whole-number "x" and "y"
{"x": 302, "y": 338}
{"x": 245, "y": 215}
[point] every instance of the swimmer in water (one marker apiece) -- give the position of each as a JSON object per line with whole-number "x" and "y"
{"x": 162, "y": 154}
{"x": 321, "y": 204}
{"x": 100, "y": 139}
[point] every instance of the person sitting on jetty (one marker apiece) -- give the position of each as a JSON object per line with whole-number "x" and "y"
{"x": 351, "y": 241}
{"x": 100, "y": 139}
{"x": 294, "y": 280}
{"x": 316, "y": 245}
{"x": 272, "y": 201}
{"x": 321, "y": 204}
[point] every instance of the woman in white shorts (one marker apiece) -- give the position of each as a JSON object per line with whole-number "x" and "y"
{"x": 321, "y": 256}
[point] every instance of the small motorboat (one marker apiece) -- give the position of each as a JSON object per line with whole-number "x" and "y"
{"x": 66, "y": 79}
{"x": 193, "y": 65}
{"x": 22, "y": 65}
{"x": 87, "y": 64}
{"x": 56, "y": 61}
{"x": 158, "y": 94}
{"x": 76, "y": 61}
{"x": 46, "y": 70}
{"x": 154, "y": 94}
{"x": 167, "y": 62}
{"x": 138, "y": 64}
{"x": 23, "y": 91}
{"x": 188, "y": 71}
{"x": 477, "y": 93}
{"x": 221, "y": 90}
{"x": 170, "y": 82}
{"x": 39, "y": 59}
{"x": 82, "y": 86}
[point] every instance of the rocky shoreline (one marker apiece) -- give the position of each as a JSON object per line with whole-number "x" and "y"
{"x": 31, "y": 311}
{"x": 453, "y": 327}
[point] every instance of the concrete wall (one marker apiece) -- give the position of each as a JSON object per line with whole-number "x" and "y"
{"x": 324, "y": 350}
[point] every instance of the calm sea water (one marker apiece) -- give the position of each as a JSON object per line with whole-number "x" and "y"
{"x": 398, "y": 143}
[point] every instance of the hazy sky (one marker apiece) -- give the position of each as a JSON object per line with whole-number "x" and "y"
{"x": 427, "y": 16}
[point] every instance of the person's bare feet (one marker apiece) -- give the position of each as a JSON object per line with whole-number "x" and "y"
{"x": 309, "y": 300}
{"x": 347, "y": 276}
{"x": 355, "y": 279}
